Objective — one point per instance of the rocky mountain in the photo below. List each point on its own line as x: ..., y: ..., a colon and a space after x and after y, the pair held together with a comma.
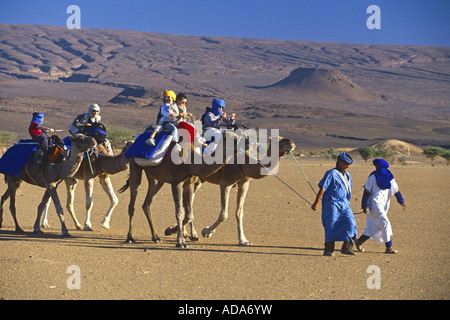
x: 319, y: 94
x: 325, y: 84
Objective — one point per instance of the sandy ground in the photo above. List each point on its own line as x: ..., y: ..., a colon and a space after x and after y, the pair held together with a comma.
x: 285, y: 261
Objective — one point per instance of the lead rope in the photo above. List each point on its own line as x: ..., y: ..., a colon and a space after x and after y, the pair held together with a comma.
x: 308, y: 180
x: 90, y: 164
x: 298, y: 165
x: 273, y: 174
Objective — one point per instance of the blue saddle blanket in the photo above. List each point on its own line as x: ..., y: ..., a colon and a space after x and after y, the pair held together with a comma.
x: 15, y: 158
x: 139, y: 149
x: 67, y: 142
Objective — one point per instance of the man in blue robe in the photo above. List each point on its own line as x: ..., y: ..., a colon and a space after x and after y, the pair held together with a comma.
x: 337, y: 216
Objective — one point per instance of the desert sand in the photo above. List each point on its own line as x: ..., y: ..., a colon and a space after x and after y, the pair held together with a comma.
x: 285, y: 261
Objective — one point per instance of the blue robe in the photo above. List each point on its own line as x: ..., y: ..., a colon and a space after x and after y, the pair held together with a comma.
x: 337, y: 216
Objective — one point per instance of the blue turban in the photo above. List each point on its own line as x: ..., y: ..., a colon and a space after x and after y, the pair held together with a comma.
x: 216, y: 104
x: 382, y: 174
x: 345, y: 157
x: 38, y: 117
x: 381, y: 162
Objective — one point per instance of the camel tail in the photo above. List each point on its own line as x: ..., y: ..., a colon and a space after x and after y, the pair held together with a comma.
x: 125, y: 187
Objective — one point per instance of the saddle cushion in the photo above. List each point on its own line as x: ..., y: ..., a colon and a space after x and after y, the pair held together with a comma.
x: 139, y: 149
x: 15, y: 158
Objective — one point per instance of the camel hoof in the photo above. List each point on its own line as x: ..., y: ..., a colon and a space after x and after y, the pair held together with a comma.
x: 19, y: 230
x: 88, y: 228
x: 206, y: 233
x: 170, y: 231
x: 45, y: 225
x: 67, y: 235
x: 79, y: 227
x: 157, y: 240
x: 245, y: 243
x: 130, y: 240
x: 182, y: 245
x: 37, y: 231
x: 105, y: 225
x: 194, y: 238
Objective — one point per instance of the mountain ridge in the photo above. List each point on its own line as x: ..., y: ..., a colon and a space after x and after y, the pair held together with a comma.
x: 105, y: 66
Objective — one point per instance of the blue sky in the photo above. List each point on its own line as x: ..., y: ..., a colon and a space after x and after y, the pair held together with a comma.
x: 410, y: 22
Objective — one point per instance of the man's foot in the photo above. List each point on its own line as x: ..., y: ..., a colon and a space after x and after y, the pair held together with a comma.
x: 150, y: 142
x: 358, y: 245
x: 390, y: 250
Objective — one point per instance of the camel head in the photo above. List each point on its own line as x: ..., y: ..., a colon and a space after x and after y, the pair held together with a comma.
x: 126, y: 146
x: 285, y: 146
x: 82, y: 142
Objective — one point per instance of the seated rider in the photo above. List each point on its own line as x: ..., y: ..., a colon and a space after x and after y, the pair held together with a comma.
x: 83, y: 121
x: 171, y: 114
x: 181, y: 102
x: 216, y: 118
x: 37, y: 134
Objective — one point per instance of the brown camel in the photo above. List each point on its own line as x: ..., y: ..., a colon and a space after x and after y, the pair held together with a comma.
x: 180, y: 176
x: 47, y: 176
x: 229, y: 176
x: 103, y: 166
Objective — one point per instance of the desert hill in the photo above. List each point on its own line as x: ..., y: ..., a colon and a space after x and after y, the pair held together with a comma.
x: 326, y: 84
x: 399, y: 147
x: 319, y: 94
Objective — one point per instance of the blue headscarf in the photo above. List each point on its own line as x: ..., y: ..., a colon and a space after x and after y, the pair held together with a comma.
x: 345, y: 157
x: 216, y: 104
x: 382, y: 174
x: 38, y: 117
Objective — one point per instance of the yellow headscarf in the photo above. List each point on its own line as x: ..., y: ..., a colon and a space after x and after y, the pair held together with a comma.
x: 170, y: 93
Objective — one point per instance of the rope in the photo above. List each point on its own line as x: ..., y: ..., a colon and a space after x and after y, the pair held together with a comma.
x: 308, y: 180
x: 298, y: 165
x: 90, y: 164
x: 273, y: 174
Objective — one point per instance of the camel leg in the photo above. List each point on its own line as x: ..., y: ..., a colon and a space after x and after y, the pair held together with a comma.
x: 71, y: 185
x: 224, y: 196
x: 105, y: 181
x: 188, y: 200
x: 44, y: 223
x: 242, y: 193
x: 51, y: 188
x: 153, y: 188
x: 13, y: 185
x: 89, y: 190
x: 197, y: 185
x: 134, y: 181
x: 5, y: 197
x: 188, y: 204
x: 177, y: 193
x: 41, y: 207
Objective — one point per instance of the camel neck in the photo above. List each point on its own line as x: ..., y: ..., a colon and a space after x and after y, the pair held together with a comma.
x: 69, y: 167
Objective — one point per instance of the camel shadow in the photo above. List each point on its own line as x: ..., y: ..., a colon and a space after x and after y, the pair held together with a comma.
x: 236, y: 249
x: 113, y: 242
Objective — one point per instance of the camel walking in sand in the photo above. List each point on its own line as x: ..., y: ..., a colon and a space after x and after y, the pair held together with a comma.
x: 48, y: 176
x: 103, y: 164
x: 240, y: 175
x: 181, y: 177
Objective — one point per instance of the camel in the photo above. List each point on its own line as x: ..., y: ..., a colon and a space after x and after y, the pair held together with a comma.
x: 229, y: 176
x: 48, y: 176
x: 103, y: 165
x: 181, y: 177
